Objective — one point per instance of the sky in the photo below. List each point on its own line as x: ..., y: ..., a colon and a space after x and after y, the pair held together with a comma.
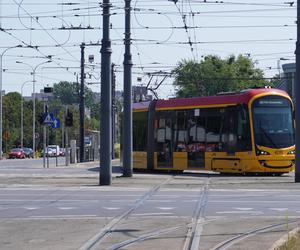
x: 163, y: 33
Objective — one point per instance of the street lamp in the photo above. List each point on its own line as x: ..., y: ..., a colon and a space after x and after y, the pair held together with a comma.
x: 22, y: 113
x: 1, y: 101
x: 33, y: 108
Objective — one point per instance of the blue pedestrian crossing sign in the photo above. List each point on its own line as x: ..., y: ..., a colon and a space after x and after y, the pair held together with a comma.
x: 48, y: 118
x: 55, y: 123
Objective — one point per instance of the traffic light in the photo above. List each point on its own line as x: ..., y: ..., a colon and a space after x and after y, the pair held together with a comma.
x: 69, y: 119
x: 48, y: 89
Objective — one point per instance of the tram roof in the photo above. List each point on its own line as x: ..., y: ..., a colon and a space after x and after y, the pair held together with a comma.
x: 243, y: 96
x: 231, y: 98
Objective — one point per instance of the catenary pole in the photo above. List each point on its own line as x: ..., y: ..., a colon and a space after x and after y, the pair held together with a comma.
x: 81, y: 105
x: 297, y: 95
x: 113, y: 111
x: 127, y: 125
x: 1, y: 97
x: 22, y: 115
x: 105, y: 113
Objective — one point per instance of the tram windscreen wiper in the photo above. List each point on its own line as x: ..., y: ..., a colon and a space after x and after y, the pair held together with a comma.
x: 267, y: 136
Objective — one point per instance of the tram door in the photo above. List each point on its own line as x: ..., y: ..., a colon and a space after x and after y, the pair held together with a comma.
x: 196, y: 140
x: 164, y: 147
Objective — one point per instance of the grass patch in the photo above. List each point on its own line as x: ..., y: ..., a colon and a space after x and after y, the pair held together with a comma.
x: 293, y: 243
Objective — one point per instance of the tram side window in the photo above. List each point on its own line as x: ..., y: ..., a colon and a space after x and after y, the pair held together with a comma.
x: 161, y: 130
x: 140, y: 131
x: 163, y: 127
x: 243, y: 131
x: 213, y: 127
x: 236, y: 130
x: 180, y: 131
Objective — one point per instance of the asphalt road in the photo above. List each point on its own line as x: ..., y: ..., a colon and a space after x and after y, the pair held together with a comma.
x: 65, y: 208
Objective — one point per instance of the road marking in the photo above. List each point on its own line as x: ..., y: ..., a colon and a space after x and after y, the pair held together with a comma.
x: 31, y: 208
x: 279, y: 209
x: 66, y: 208
x: 165, y: 208
x: 243, y: 208
x: 122, y: 201
x: 239, y: 212
x: 152, y: 214
x: 75, y: 216
x: 112, y: 208
x: 162, y: 201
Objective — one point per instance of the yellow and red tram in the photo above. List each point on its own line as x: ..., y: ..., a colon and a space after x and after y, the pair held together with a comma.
x: 251, y: 131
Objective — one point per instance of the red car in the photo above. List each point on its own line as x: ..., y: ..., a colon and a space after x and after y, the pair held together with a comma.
x: 16, y: 153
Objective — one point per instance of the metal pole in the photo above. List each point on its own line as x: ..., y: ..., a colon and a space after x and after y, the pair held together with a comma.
x: 22, y: 115
x: 113, y: 106
x: 22, y: 119
x: 33, y: 102
x: 105, y: 114
x: 1, y: 99
x: 127, y: 127
x: 1, y: 109
x: 33, y: 111
x: 81, y: 105
x: 297, y: 97
x: 44, y: 138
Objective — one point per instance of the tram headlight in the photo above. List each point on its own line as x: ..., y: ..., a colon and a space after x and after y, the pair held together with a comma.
x: 292, y: 152
x: 261, y: 152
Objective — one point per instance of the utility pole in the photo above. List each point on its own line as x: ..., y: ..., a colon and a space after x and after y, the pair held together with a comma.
x: 105, y: 114
x: 297, y: 95
x: 81, y: 105
x: 113, y: 106
x: 127, y: 125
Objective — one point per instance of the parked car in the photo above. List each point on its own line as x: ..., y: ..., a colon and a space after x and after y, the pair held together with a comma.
x: 16, y: 153
x: 49, y: 152
x: 55, y: 149
x: 28, y: 152
x: 62, y: 152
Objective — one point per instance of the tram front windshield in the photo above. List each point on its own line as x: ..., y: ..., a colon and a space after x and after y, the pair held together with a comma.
x: 273, y: 122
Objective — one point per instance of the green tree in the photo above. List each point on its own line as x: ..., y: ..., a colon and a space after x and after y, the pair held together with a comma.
x: 11, y: 120
x: 213, y: 75
x: 68, y: 93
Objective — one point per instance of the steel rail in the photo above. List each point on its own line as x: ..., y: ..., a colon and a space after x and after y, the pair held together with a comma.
x: 117, y: 220
x: 230, y: 242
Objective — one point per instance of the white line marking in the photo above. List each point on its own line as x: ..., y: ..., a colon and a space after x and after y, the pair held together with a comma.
x: 111, y: 208
x: 279, y: 209
x: 66, y: 208
x: 240, y: 212
x: 31, y: 208
x: 151, y: 214
x: 243, y: 208
x: 165, y: 208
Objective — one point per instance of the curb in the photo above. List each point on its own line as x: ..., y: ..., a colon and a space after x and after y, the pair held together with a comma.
x: 284, y: 238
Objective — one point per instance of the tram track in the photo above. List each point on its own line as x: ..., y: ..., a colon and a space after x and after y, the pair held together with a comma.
x: 190, y: 230
x: 242, y: 236
x: 192, y: 241
x: 96, y: 239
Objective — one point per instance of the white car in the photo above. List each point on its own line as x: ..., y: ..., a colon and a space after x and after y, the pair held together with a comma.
x: 50, y: 152
x: 55, y: 149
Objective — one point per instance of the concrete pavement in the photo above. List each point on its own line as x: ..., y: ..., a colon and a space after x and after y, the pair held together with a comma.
x: 65, y: 208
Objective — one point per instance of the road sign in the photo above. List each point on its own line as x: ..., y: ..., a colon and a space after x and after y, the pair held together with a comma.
x: 56, y: 123
x: 48, y: 118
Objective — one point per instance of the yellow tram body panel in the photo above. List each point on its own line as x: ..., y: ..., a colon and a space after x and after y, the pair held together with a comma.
x: 248, y: 162
x: 139, y: 160
x: 180, y: 160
